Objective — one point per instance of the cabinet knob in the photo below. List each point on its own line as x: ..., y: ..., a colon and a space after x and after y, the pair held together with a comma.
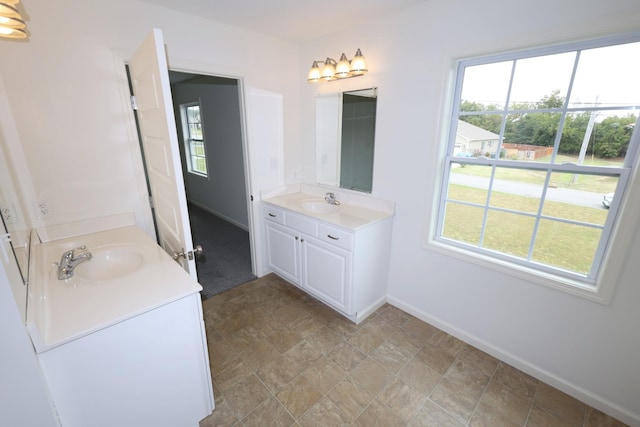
x: 296, y: 237
x: 332, y: 238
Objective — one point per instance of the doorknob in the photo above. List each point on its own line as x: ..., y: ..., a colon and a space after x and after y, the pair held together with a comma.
x: 197, y: 251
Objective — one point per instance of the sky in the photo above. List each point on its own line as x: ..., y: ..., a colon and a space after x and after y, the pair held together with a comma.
x: 608, y: 75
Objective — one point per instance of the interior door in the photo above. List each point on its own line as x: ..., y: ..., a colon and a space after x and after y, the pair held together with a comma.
x: 150, y: 80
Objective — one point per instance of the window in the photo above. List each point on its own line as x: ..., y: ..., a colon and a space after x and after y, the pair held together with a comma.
x: 195, y: 151
x: 543, y: 195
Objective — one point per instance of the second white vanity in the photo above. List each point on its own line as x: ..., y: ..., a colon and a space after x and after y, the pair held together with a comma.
x: 337, y: 253
x: 122, y: 341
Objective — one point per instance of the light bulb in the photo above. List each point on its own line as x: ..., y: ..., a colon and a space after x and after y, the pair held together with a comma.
x: 11, y: 22
x: 358, y: 63
x: 12, y: 33
x: 314, y: 73
x: 343, y: 68
x: 329, y: 70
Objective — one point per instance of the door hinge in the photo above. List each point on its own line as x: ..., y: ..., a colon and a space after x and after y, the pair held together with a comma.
x: 252, y: 197
x: 3, y: 250
x: 134, y: 103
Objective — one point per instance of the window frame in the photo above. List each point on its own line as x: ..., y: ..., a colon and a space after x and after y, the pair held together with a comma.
x: 188, y: 140
x: 600, y: 282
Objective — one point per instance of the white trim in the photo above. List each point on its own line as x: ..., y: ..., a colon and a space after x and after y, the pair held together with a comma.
x: 599, y: 284
x: 121, y: 57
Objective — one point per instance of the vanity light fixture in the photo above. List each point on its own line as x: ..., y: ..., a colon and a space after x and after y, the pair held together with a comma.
x: 11, y: 23
x: 330, y: 70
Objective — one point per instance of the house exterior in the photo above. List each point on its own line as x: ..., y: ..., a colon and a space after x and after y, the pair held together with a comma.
x: 473, y: 140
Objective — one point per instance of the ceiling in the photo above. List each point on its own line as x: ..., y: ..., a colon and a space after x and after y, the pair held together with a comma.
x: 294, y: 20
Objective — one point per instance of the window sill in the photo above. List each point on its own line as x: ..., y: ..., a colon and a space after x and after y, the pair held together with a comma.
x: 574, y: 287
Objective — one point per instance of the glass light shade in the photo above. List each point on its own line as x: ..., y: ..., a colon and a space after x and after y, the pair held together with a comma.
x: 12, y: 2
x: 9, y: 11
x: 314, y: 73
x: 11, y: 22
x: 329, y: 70
x: 12, y: 33
x: 343, y: 68
x: 358, y: 63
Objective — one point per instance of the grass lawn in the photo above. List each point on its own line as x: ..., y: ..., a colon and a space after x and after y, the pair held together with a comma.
x: 567, y: 246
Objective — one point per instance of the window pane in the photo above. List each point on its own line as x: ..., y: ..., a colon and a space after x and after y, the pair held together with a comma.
x: 578, y: 197
x: 508, y: 233
x: 463, y: 223
x: 193, y: 113
x: 517, y: 189
x: 607, y: 75
x: 598, y: 138
x: 200, y: 165
x: 478, y: 136
x: 568, y: 246
x: 197, y: 148
x: 485, y: 86
x: 530, y: 136
x: 541, y: 82
x: 469, y: 183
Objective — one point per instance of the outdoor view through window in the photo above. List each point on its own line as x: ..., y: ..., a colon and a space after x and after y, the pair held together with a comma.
x: 540, y: 147
x: 194, y: 137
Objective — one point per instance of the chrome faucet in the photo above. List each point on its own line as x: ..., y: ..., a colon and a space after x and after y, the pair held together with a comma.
x: 331, y: 199
x: 70, y: 260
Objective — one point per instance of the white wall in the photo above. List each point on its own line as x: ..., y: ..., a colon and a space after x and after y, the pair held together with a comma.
x: 588, y: 349
x: 65, y: 87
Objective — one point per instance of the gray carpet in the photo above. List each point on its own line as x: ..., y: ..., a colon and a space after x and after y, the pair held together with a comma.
x: 226, y: 261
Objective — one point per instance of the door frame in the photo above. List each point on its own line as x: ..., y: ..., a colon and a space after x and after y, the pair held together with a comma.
x: 121, y: 59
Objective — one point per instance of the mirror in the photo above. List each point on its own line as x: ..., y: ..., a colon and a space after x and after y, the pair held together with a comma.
x: 11, y: 213
x: 345, y: 139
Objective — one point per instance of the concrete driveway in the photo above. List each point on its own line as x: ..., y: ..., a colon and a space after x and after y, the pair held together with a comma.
x: 564, y: 195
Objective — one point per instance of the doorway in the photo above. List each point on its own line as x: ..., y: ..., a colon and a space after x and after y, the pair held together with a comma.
x: 210, y: 132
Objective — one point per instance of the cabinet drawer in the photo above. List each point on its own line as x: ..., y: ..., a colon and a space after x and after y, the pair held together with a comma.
x: 302, y: 224
x: 335, y: 236
x: 273, y: 214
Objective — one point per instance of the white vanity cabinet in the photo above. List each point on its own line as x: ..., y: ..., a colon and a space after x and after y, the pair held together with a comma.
x: 151, y: 369
x: 345, y: 268
x: 127, y: 350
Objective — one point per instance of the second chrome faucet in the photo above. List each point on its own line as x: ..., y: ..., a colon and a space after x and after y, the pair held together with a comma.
x: 69, y: 260
x: 331, y: 199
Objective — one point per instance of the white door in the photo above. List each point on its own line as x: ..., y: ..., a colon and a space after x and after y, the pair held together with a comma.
x: 150, y: 80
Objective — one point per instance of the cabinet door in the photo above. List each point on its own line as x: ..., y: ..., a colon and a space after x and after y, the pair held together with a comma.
x: 283, y: 251
x: 326, y: 273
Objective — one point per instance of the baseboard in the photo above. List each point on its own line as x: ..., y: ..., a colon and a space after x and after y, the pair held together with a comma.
x: 362, y: 315
x: 212, y: 212
x: 561, y: 384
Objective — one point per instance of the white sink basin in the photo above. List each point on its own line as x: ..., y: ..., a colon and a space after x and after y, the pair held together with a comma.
x: 319, y: 206
x: 110, y: 263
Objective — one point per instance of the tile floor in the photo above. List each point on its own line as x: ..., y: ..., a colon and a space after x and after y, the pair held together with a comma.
x: 281, y: 358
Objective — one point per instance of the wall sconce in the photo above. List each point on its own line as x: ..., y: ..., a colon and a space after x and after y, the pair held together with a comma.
x: 343, y: 69
x: 11, y: 23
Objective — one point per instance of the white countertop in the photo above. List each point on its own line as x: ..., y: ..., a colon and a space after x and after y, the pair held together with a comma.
x: 349, y: 215
x: 60, y: 311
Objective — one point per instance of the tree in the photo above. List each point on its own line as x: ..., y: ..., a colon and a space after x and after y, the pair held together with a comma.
x: 609, y: 139
x: 612, y: 136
